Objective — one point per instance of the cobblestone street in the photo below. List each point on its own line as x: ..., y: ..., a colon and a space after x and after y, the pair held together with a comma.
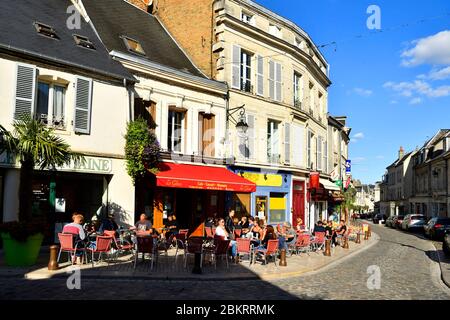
x: 406, y: 262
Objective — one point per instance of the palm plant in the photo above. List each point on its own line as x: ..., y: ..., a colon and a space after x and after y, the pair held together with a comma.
x: 33, y: 144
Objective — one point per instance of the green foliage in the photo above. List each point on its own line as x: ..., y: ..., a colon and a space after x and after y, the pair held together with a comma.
x: 142, y: 149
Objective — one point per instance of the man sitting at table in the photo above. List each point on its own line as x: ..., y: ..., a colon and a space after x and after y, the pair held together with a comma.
x: 143, y: 226
x: 76, y: 228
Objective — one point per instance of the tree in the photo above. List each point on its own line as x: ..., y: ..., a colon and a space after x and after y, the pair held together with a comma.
x: 34, y: 144
x: 142, y: 149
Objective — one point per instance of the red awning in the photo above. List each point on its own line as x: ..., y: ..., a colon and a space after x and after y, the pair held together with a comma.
x: 188, y: 176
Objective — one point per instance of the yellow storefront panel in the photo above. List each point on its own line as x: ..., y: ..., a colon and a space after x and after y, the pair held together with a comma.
x: 277, y: 203
x: 265, y: 180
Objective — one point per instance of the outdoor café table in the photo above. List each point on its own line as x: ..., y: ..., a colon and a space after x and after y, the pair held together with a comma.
x: 198, y: 256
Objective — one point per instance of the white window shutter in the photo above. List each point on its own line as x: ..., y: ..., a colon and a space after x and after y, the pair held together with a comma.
x: 83, y: 105
x: 298, y: 146
x: 236, y: 68
x: 287, y: 143
x: 25, y: 95
x: 260, y: 76
x: 278, y: 81
x: 271, y: 80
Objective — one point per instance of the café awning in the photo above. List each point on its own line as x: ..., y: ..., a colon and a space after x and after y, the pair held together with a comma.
x: 188, y: 176
x: 327, y: 184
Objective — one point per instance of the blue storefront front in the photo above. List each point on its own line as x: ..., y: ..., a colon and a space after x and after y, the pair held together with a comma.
x: 272, y: 198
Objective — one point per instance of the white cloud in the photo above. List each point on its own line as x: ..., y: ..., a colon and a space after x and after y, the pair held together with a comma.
x: 415, y: 101
x: 393, y: 102
x: 418, y: 87
x: 434, y: 49
x: 358, y: 160
x: 358, y: 135
x: 439, y: 74
x: 363, y: 92
x: 380, y: 157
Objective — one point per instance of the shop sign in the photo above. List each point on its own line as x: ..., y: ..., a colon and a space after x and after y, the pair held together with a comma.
x: 264, y: 180
x: 91, y: 165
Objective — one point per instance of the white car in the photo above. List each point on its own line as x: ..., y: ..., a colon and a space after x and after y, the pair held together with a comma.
x: 414, y: 222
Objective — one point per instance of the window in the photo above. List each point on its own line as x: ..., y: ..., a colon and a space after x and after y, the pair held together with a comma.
x: 50, y: 104
x: 312, y: 101
x: 275, y: 30
x: 175, y: 131
x: 248, y: 18
x: 45, y: 30
x: 277, y: 207
x: 273, y: 141
x: 83, y: 42
x: 298, y: 90
x: 133, y: 45
x: 246, y: 84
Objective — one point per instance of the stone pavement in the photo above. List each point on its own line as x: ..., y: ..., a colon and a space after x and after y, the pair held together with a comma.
x: 444, y: 263
x: 168, y: 269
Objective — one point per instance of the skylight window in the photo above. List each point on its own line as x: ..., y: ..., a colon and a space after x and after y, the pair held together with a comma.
x: 45, y: 30
x: 83, y: 42
x: 133, y: 45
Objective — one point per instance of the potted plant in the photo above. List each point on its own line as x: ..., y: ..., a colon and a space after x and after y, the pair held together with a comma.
x: 32, y: 144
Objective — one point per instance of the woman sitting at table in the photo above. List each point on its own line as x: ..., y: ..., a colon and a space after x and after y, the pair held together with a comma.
x: 222, y: 232
x: 300, y: 226
x: 76, y: 228
x: 171, y: 226
x: 268, y: 234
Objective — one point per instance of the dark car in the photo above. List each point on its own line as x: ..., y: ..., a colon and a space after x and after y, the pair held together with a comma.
x: 398, y: 222
x: 446, y: 243
x: 379, y: 217
x: 436, y: 227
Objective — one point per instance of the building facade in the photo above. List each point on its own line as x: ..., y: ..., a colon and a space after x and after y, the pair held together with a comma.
x: 274, y: 71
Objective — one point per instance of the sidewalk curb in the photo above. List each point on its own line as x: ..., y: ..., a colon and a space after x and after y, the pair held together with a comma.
x: 447, y: 283
x: 208, y: 277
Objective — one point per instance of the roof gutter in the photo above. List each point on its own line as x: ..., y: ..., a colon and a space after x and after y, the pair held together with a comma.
x: 220, y: 87
x: 63, y: 62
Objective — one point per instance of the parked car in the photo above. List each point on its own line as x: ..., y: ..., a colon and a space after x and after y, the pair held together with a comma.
x: 436, y: 227
x: 389, y: 221
x: 379, y: 217
x: 397, y: 222
x: 446, y: 243
x: 414, y: 222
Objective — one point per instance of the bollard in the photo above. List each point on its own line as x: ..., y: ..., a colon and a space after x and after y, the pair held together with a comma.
x: 283, y: 262
x: 327, y: 248
x: 358, y: 238
x: 345, y: 243
x: 369, y: 232
x: 366, y: 235
x: 53, y: 263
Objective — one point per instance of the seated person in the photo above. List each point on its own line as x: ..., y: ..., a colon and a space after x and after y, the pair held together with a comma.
x: 340, y: 231
x: 300, y: 226
x: 268, y: 234
x: 108, y: 224
x: 171, y: 226
x: 143, y: 226
x: 319, y: 227
x: 76, y: 228
x: 244, y: 222
x: 289, y: 233
x: 222, y: 232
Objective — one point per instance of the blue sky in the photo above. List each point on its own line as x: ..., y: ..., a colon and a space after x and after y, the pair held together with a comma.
x: 393, y: 85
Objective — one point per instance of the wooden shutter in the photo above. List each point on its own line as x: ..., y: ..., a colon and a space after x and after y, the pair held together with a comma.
x: 287, y: 143
x: 25, y: 94
x: 278, y: 81
x: 260, y: 76
x: 272, y: 80
x: 236, y: 68
x: 299, y: 137
x: 83, y: 108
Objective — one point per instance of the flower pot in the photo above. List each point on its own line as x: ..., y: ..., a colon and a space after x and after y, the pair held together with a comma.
x: 20, y: 254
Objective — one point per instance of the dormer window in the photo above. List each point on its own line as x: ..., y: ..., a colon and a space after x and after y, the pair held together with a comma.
x: 45, y: 30
x: 83, y: 41
x: 248, y: 18
x: 133, y: 45
x: 275, y: 30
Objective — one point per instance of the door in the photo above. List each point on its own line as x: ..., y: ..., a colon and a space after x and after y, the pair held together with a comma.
x: 298, y: 202
x: 206, y: 133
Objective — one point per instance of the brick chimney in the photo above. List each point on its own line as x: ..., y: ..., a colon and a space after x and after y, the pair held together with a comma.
x: 144, y: 5
x: 401, y: 153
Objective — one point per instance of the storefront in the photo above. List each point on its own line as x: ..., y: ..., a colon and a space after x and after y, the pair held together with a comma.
x: 271, y: 200
x: 192, y: 193
x: 96, y: 187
